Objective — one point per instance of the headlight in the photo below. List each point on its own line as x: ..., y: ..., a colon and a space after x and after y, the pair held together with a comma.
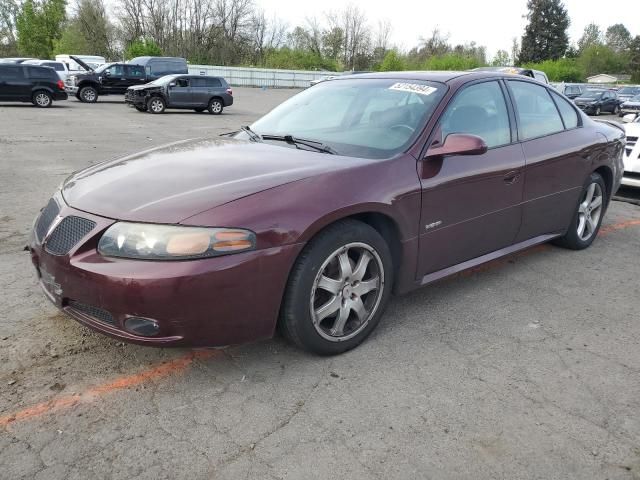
x: 172, y: 242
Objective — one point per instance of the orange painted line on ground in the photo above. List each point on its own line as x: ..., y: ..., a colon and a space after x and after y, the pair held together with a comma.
x: 171, y: 367
x: 618, y: 226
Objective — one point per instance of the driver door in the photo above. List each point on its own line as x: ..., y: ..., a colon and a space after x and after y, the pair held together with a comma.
x: 180, y: 94
x: 471, y: 205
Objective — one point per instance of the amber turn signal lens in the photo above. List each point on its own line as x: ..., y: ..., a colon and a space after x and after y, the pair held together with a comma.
x: 232, y: 245
x: 188, y: 244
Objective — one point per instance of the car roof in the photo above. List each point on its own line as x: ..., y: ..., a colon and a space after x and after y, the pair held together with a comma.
x: 439, y: 76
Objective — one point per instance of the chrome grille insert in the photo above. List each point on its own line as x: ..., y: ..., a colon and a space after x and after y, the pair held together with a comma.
x: 67, y: 234
x: 47, y: 216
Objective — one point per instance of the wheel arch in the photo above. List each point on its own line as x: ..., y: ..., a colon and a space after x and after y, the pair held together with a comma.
x: 607, y: 175
x: 381, y: 221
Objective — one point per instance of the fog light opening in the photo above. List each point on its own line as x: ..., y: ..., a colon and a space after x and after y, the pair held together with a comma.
x: 141, y: 326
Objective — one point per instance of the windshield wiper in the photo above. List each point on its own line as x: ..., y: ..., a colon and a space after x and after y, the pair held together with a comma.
x: 252, y: 135
x: 290, y: 139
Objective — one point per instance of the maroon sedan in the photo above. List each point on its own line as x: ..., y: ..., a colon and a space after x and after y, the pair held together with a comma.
x: 311, y: 217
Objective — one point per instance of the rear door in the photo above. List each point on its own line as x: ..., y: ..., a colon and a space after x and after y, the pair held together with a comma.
x: 557, y: 151
x: 471, y: 205
x: 135, y: 75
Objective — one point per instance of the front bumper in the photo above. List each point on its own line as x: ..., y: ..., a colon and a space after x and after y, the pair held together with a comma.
x: 133, y: 99
x: 208, y: 302
x: 588, y: 109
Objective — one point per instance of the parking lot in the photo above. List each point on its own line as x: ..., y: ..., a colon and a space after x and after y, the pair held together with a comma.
x: 527, y: 367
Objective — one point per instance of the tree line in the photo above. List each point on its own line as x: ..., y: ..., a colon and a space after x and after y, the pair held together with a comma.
x: 237, y: 32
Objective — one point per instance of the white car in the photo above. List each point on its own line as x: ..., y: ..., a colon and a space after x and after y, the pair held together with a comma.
x: 60, y: 67
x: 631, y: 176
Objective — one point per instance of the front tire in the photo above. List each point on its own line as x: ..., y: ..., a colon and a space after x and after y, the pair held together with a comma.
x: 597, y: 112
x: 338, y: 289
x: 88, y: 95
x: 215, y: 106
x: 587, y: 219
x: 42, y: 99
x: 156, y: 105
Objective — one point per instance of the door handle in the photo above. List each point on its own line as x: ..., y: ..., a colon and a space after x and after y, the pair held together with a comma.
x: 511, y: 177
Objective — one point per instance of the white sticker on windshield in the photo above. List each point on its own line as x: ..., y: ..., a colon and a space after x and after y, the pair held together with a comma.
x: 413, y: 87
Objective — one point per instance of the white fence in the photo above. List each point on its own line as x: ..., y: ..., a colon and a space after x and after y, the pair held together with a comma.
x: 260, y: 77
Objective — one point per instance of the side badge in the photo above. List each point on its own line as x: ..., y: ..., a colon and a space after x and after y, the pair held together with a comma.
x: 433, y: 225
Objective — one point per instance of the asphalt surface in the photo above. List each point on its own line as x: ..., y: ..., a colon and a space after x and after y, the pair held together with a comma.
x: 525, y: 368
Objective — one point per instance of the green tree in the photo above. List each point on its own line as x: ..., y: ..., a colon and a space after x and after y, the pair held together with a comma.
x: 72, y: 41
x: 591, y: 36
x: 545, y: 36
x: 561, y: 70
x: 634, y: 59
x: 39, y: 24
x: 601, y: 59
x: 452, y: 61
x: 142, y: 48
x: 392, y: 62
x: 501, y: 59
x: 9, y: 10
x: 618, y: 37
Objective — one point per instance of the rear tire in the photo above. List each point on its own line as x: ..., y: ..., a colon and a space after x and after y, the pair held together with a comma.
x: 338, y: 289
x: 215, y: 106
x: 42, y: 99
x: 88, y: 95
x: 588, y: 215
x: 156, y: 105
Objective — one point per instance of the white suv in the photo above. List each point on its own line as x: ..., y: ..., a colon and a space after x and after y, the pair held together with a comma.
x: 631, y: 176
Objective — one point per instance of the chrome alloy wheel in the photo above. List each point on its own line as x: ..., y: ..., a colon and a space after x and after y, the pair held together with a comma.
x: 589, y: 212
x: 89, y: 95
x: 216, y: 107
x: 156, y: 105
x: 43, y: 100
x: 347, y: 291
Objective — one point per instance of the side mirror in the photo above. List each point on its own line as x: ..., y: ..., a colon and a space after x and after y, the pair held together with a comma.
x: 172, y: 84
x: 458, y: 144
x: 629, y: 118
x: 107, y: 73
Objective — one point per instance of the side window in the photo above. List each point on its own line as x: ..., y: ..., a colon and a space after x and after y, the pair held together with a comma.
x: 135, y: 71
x: 213, y: 82
x: 9, y: 74
x: 116, y: 71
x: 569, y: 115
x: 183, y: 82
x: 479, y: 110
x: 198, y: 82
x: 537, y: 114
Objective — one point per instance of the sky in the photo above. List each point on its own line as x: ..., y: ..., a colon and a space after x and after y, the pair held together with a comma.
x: 493, y: 23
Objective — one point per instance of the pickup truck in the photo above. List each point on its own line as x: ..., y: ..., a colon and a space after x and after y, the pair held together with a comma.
x: 116, y: 78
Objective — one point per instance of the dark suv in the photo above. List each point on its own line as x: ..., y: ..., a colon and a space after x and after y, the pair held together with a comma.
x: 596, y: 101
x: 30, y: 83
x: 114, y: 78
x: 194, y: 92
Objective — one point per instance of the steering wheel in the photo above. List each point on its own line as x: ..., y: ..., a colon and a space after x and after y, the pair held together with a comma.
x: 402, y: 125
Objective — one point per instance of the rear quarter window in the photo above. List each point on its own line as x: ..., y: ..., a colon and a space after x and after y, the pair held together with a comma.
x: 214, y: 82
x: 568, y: 113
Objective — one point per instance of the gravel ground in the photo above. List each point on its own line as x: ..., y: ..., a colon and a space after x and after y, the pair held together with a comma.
x: 525, y: 368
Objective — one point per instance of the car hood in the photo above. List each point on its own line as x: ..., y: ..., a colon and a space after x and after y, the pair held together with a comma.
x: 143, y: 87
x: 172, y: 183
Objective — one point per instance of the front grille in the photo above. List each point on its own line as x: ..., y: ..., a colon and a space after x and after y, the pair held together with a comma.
x: 98, y: 313
x: 47, y: 216
x: 67, y: 234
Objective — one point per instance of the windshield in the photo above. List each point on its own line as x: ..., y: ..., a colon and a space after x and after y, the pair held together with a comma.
x: 369, y: 118
x: 592, y: 93
x: 163, y: 80
x: 635, y: 99
x: 102, y: 68
x: 629, y: 91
